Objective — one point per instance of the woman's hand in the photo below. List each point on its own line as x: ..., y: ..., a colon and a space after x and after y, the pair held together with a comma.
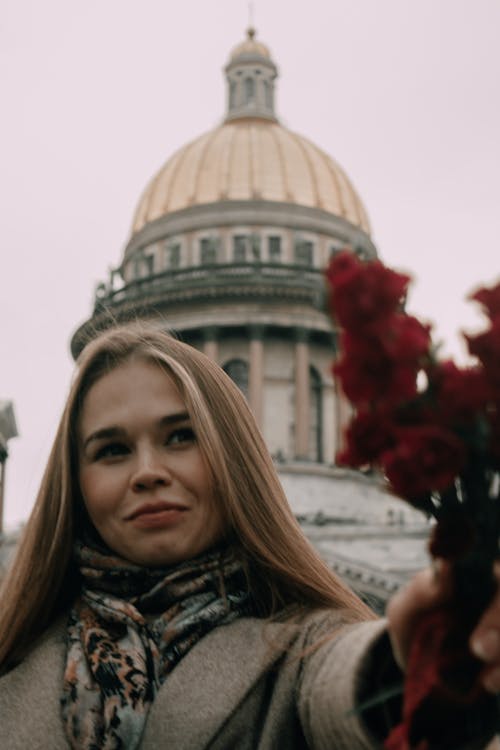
x: 485, y: 641
x: 430, y: 589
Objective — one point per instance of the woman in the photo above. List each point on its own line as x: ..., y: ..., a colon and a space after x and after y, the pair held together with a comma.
x: 163, y: 594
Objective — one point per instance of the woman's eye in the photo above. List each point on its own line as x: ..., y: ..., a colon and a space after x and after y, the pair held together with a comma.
x: 111, y: 450
x: 181, y: 435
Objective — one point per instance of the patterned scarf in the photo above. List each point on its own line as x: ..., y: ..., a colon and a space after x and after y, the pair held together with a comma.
x: 128, y: 629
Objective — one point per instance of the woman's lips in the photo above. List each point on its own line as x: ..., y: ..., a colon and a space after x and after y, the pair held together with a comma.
x: 156, y: 515
x: 158, y: 519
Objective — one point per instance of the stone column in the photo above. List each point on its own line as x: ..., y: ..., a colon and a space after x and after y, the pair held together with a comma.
x: 256, y: 373
x: 210, y: 346
x: 302, y: 394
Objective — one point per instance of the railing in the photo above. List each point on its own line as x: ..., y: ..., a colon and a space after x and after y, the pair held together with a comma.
x: 203, y: 278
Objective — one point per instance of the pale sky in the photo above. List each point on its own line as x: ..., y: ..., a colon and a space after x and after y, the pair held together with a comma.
x: 96, y: 95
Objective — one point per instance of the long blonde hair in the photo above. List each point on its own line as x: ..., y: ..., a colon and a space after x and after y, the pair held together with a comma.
x: 282, y: 567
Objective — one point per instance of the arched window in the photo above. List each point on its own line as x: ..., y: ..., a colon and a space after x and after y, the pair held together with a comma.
x: 268, y: 97
x: 237, y: 369
x: 249, y: 90
x: 304, y: 252
x: 240, y: 248
x: 144, y: 266
x: 208, y: 250
x: 274, y: 248
x: 316, y: 416
x: 173, y: 255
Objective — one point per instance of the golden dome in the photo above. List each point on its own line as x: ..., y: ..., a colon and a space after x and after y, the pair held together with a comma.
x: 250, y: 159
x: 251, y: 156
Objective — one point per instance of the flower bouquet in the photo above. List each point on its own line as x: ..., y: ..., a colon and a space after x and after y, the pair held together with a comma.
x: 432, y: 429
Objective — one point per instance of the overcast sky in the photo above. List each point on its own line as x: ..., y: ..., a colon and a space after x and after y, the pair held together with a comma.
x: 96, y: 95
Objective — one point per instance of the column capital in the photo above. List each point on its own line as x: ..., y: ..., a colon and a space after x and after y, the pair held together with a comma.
x: 210, y: 333
x: 301, y: 335
x: 256, y: 331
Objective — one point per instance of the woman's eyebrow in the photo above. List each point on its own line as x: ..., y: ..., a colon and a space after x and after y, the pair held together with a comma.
x: 113, y: 432
x: 181, y: 416
x: 103, y: 434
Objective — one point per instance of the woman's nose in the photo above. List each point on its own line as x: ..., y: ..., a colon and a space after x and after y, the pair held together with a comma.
x: 150, y: 471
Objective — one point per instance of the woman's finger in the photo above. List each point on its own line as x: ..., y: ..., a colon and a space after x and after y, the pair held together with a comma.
x: 485, y: 641
x: 424, y: 592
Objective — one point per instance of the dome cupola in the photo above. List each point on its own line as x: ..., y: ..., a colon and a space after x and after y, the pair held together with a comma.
x: 250, y: 75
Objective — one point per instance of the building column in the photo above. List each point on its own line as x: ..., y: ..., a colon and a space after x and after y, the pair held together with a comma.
x: 256, y: 372
x: 302, y: 394
x: 210, y: 344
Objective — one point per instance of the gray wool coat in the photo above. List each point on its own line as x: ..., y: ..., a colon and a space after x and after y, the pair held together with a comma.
x: 249, y: 685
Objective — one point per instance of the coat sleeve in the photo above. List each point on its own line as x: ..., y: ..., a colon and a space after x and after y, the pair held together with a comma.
x: 335, y: 677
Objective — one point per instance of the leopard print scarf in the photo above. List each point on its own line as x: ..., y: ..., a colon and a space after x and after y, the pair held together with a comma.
x: 128, y: 629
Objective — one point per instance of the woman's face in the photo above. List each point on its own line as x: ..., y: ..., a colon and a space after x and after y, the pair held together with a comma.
x: 142, y: 475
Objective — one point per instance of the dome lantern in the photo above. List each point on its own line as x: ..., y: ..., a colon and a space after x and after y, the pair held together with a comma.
x: 250, y: 75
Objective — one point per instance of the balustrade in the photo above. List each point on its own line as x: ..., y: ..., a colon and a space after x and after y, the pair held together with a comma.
x: 198, y: 278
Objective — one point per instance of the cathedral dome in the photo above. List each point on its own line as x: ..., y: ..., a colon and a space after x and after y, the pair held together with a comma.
x: 251, y: 156
x: 250, y: 159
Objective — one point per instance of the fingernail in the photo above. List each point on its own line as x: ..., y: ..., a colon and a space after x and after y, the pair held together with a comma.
x: 492, y: 681
x: 487, y: 645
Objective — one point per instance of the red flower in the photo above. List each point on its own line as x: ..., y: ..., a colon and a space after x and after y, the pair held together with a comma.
x: 368, y: 373
x: 363, y: 292
x: 435, y: 715
x: 383, y: 362
x: 369, y: 434
x: 489, y: 298
x: 343, y: 267
x: 425, y: 458
x: 424, y: 440
x: 460, y: 393
x: 486, y: 347
x: 405, y: 338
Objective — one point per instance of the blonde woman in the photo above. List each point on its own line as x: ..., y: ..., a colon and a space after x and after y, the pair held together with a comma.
x: 163, y: 594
